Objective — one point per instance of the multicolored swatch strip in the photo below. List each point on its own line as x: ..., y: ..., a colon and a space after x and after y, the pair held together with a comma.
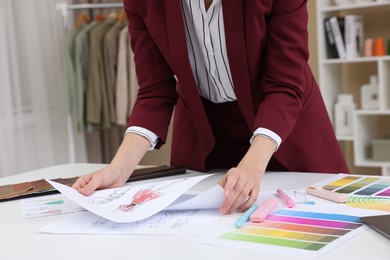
x: 296, y: 229
x: 372, y: 203
x: 363, y: 186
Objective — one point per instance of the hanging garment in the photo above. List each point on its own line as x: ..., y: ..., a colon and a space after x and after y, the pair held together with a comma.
x: 122, y: 79
x: 81, y: 83
x: 110, y: 51
x: 97, y: 96
x: 69, y: 70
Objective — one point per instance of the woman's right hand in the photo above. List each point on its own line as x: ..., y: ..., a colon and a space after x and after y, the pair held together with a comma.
x: 107, y: 177
x: 128, y: 156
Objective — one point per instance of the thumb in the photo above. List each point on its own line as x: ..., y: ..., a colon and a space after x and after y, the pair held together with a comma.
x: 222, y: 181
x: 90, y: 187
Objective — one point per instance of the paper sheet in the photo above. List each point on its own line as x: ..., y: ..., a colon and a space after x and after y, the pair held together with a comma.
x: 315, y: 225
x: 48, y: 205
x: 167, y: 222
x: 307, y: 234
x: 136, y: 202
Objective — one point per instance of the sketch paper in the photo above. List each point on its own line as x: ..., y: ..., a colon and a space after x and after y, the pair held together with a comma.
x: 134, y: 202
x: 200, y: 201
x: 48, y: 205
x: 167, y: 222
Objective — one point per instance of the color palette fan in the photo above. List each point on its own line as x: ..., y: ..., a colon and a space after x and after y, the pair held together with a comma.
x: 362, y: 186
x: 371, y: 203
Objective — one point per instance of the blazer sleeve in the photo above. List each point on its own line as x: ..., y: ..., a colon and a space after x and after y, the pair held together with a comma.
x: 157, y: 86
x: 285, y: 74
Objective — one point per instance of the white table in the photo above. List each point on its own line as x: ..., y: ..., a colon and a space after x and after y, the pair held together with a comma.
x: 20, y: 240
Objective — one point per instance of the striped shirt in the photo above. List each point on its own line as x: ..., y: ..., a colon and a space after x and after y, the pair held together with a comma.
x: 205, y: 35
x: 206, y: 44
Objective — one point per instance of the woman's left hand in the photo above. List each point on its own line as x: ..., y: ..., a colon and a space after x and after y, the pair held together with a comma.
x: 241, y: 184
x: 241, y: 188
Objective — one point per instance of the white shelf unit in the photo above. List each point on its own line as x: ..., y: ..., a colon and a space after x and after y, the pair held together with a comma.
x: 346, y: 76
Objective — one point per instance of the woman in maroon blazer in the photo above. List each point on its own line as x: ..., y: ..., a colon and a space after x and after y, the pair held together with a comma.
x: 244, y: 98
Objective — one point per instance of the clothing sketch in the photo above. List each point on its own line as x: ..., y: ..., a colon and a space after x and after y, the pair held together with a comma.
x: 141, y: 197
x: 113, y: 196
x: 144, y: 195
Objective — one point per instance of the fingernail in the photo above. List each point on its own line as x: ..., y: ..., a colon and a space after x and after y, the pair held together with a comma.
x: 227, y: 193
x: 223, y: 211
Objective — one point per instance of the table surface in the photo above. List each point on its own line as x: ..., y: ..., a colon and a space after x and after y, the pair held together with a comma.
x: 20, y: 239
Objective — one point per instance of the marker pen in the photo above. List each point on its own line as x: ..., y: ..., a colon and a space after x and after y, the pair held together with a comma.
x: 286, y: 199
x: 264, y: 209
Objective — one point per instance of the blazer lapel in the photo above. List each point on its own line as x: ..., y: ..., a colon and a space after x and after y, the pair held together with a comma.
x: 177, y: 48
x: 176, y: 37
x: 233, y: 13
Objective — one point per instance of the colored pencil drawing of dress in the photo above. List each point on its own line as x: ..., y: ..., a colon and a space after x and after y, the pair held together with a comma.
x: 144, y: 195
x: 141, y: 197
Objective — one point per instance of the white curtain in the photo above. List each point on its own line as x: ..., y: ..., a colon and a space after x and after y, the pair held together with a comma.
x: 33, y: 121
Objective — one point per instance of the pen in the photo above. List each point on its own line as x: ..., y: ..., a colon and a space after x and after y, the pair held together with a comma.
x: 286, y: 199
x: 264, y: 209
x: 244, y: 217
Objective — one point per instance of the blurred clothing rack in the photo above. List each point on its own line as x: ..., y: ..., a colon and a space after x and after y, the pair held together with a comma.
x: 64, y: 8
x: 88, y: 6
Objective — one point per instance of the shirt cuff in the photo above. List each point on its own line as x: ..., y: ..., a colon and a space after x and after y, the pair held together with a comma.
x: 274, y: 137
x: 152, y: 137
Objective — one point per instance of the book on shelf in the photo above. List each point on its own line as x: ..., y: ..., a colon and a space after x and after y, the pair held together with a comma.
x: 337, y: 25
x: 334, y: 34
x: 354, y: 37
x: 331, y: 48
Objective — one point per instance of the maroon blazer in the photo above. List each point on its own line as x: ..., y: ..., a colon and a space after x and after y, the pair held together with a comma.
x: 268, y: 53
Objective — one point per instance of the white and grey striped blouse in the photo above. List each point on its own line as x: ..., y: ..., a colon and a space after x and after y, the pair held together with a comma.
x: 205, y: 34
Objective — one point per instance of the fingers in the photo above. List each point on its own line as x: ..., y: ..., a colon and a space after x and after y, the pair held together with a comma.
x: 81, y: 182
x: 222, y: 181
x: 249, y: 202
x: 231, y: 182
x: 87, y: 184
x: 91, y: 186
x: 239, y: 199
x: 107, y: 177
x: 241, y: 189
